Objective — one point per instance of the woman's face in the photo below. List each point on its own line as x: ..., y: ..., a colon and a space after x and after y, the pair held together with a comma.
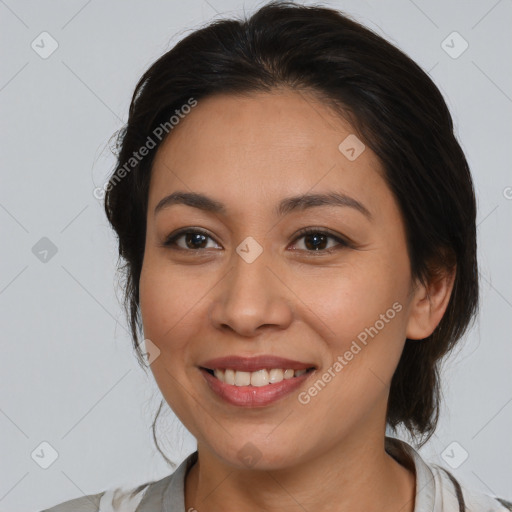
x: 338, y: 300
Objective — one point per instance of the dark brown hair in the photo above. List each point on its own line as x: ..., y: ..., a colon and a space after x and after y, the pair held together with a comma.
x: 396, y: 110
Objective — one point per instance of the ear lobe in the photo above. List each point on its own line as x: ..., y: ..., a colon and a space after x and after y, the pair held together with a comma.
x: 429, y: 305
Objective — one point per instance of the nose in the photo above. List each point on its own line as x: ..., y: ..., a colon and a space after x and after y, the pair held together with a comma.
x: 252, y: 297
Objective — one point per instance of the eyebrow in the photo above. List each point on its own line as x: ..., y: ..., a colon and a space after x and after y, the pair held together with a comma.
x: 286, y: 206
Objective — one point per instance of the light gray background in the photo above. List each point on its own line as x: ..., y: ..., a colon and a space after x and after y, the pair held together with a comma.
x: 69, y: 376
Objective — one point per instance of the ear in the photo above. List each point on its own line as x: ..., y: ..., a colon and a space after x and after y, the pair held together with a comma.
x: 429, y: 304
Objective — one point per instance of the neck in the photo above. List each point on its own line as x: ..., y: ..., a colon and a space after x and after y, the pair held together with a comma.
x: 356, y: 477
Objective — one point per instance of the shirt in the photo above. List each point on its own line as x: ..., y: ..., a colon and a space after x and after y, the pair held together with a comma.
x: 437, y: 490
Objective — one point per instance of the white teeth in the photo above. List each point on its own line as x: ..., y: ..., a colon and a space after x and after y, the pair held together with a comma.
x: 229, y: 377
x: 258, y: 378
x: 275, y: 375
x: 242, y: 378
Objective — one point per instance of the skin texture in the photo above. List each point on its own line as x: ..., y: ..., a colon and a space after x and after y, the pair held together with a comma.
x: 293, y: 301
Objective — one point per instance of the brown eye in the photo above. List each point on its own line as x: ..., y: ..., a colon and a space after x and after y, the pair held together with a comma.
x: 194, y: 239
x: 316, y: 240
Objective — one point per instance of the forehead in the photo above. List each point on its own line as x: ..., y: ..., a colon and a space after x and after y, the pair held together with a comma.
x: 263, y: 145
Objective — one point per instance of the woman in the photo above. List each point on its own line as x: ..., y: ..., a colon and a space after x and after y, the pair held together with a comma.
x: 297, y: 222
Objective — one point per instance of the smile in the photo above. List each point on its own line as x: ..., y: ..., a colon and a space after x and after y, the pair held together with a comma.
x: 254, y: 389
x: 258, y: 378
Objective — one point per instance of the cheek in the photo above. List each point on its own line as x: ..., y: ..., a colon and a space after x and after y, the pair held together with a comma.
x: 167, y: 311
x: 360, y: 310
x: 351, y: 298
x: 156, y: 301
x: 168, y: 300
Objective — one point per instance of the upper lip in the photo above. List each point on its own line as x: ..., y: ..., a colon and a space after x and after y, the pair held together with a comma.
x: 251, y: 364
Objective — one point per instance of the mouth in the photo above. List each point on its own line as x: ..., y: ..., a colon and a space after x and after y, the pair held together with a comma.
x: 254, y: 381
x: 258, y: 378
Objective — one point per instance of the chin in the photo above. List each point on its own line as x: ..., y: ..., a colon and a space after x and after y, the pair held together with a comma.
x: 258, y: 456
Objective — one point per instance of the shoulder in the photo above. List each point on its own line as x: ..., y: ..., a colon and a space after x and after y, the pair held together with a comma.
x: 111, y: 500
x: 454, y: 491
x: 144, y: 498
x: 89, y: 503
x: 438, y: 489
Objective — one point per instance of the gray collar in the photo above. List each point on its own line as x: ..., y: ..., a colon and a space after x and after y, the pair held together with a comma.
x: 406, y: 455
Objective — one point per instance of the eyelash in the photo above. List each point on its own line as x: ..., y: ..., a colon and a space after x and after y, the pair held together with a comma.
x: 170, y: 241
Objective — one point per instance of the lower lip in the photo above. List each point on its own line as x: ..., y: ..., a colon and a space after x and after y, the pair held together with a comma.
x: 253, y: 396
